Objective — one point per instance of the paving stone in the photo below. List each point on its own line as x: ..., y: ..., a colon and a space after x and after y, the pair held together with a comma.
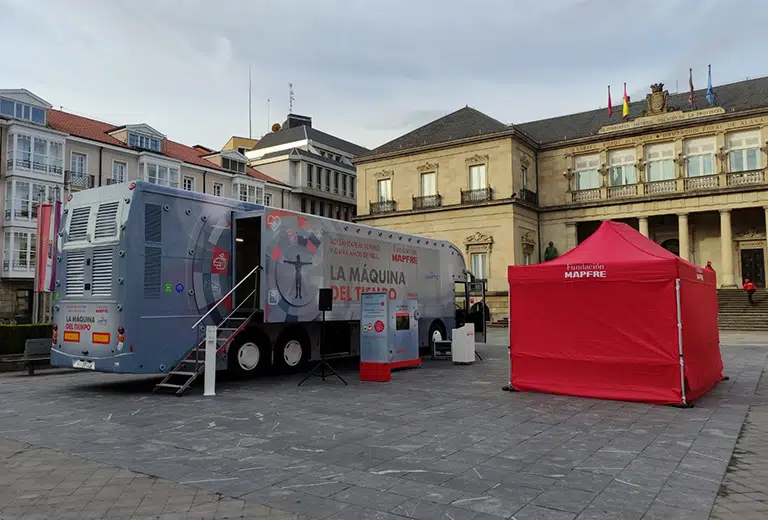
x: 534, y: 512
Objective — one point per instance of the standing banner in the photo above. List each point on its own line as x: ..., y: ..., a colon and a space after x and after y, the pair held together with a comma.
x: 46, y: 246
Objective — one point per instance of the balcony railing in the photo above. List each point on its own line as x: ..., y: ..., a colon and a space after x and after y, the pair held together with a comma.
x: 705, y: 182
x: 619, y: 192
x: 428, y: 201
x: 475, y: 196
x: 586, y: 195
x: 46, y: 167
x: 745, y: 178
x: 529, y: 196
x: 79, y: 179
x: 384, y: 206
x: 657, y: 187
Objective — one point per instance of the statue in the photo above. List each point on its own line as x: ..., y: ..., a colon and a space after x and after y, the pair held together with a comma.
x: 550, y: 253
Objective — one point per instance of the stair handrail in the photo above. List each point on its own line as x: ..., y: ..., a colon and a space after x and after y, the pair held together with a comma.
x: 202, y: 318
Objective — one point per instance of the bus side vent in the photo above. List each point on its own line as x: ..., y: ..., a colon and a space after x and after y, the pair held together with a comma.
x: 153, y: 223
x: 106, y: 220
x: 101, y: 280
x: 75, y: 273
x: 152, y: 271
x: 78, y: 224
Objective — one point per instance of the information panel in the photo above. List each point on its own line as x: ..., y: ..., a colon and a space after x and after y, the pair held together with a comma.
x: 405, y: 331
x: 374, y: 328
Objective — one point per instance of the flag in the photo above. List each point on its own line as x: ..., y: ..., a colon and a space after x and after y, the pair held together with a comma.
x: 690, y: 86
x: 710, y: 92
x: 610, y: 106
x: 625, y: 105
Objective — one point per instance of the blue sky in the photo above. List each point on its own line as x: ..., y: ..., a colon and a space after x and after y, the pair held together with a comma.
x: 365, y: 71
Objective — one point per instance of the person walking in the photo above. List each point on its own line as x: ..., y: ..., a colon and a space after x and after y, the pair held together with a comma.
x: 750, y: 289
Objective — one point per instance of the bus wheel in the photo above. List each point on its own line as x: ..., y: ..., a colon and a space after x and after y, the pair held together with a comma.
x: 436, y: 333
x: 248, y: 355
x: 292, y: 350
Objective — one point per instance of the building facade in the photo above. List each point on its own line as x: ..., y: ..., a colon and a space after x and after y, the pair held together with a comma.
x: 317, y: 166
x: 689, y: 176
x: 45, y: 154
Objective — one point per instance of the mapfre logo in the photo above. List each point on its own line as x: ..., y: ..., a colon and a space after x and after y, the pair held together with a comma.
x: 579, y: 271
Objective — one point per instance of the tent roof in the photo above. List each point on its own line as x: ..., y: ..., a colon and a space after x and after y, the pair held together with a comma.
x: 616, y: 251
x: 615, y: 242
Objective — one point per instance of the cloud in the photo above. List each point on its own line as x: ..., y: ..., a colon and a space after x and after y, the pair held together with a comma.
x: 365, y: 71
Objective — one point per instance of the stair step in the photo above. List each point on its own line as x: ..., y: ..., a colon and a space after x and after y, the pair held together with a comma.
x: 168, y: 385
x: 182, y: 373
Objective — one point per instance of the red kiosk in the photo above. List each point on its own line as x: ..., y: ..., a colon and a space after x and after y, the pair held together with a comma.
x: 618, y: 317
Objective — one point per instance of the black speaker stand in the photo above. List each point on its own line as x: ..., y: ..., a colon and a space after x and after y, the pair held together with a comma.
x: 323, y: 365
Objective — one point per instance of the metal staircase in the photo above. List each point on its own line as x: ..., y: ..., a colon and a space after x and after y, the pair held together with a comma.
x: 181, y: 377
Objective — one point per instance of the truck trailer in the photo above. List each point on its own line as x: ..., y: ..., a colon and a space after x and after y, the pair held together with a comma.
x: 142, y: 269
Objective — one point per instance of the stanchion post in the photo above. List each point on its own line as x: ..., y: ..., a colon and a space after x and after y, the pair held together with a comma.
x: 210, y: 360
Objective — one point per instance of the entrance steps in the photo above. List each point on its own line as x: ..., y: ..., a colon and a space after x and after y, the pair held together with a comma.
x: 735, y: 312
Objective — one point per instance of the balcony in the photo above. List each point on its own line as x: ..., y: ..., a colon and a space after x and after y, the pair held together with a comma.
x: 704, y: 182
x: 428, y: 201
x: 18, y: 269
x: 384, y: 206
x: 745, y: 178
x: 586, y: 195
x: 620, y: 192
x: 79, y: 180
x: 50, y: 167
x: 659, y: 187
x: 475, y: 196
x: 529, y: 196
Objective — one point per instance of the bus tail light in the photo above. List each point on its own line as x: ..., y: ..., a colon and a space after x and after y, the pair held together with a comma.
x: 55, y: 334
x: 120, y: 338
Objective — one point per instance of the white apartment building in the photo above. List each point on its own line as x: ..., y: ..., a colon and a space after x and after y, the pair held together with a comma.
x: 317, y: 165
x: 46, y: 153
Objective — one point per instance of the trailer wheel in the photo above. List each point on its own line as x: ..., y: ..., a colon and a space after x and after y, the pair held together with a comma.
x: 292, y: 350
x: 248, y: 355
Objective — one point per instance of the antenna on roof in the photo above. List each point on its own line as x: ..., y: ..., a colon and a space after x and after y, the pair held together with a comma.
x: 250, y: 104
x: 290, y: 98
x: 269, y: 119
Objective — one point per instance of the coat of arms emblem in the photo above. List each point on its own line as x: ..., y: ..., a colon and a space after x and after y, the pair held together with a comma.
x: 657, y: 100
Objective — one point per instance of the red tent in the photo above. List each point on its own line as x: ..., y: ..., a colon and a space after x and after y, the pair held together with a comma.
x: 618, y: 317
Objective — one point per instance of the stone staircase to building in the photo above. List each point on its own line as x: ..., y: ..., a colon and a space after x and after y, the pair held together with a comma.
x: 735, y: 312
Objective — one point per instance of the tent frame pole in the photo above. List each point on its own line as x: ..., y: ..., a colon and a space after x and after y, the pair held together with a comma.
x: 680, y: 341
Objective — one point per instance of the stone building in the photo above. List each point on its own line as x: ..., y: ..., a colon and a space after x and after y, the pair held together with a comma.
x: 691, y: 177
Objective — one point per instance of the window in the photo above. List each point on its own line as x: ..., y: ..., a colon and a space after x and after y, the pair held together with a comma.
x: 144, y: 141
x: 699, y: 156
x: 310, y: 172
x: 267, y: 199
x: 385, y: 190
x: 586, y: 172
x: 479, y: 263
x: 322, y: 208
x: 622, y: 167
x: 524, y: 177
x: 303, y: 205
x: 428, y: 184
x: 477, y: 180
x: 352, y: 187
x: 118, y: 171
x: 335, y: 182
x: 312, y: 206
x: 40, y: 155
x: 78, y: 163
x: 233, y: 165
x: 19, y: 251
x: 189, y: 183
x: 23, y: 197
x: 19, y: 110
x: 160, y: 174
x: 344, y: 185
x: 24, y: 151
x: 743, y: 151
x: 327, y: 179
x: 35, y: 153
x: 660, y: 161
x: 56, y: 157
x: 249, y: 193
x: 218, y: 188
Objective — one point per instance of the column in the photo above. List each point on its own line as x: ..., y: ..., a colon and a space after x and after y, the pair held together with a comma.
x: 644, y: 225
x: 726, y: 249
x: 683, y: 236
x: 571, y: 238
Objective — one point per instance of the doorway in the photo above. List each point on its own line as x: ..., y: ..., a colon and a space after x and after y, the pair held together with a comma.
x: 753, y: 266
x: 247, y: 256
x: 672, y: 245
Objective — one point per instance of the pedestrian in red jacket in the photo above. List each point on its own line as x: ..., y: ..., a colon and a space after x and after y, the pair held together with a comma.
x: 750, y: 288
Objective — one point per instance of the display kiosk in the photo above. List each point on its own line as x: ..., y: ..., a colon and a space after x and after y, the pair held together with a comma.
x: 389, y: 336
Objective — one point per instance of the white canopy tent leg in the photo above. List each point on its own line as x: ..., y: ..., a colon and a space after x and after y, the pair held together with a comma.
x: 680, y: 341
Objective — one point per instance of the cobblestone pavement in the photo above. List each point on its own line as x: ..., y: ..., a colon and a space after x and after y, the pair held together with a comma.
x: 744, y: 491
x: 440, y: 442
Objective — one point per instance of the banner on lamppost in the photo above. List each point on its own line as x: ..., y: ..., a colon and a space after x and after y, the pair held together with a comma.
x: 47, y: 246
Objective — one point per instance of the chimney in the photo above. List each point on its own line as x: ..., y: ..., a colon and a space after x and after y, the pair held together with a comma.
x: 295, y: 120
